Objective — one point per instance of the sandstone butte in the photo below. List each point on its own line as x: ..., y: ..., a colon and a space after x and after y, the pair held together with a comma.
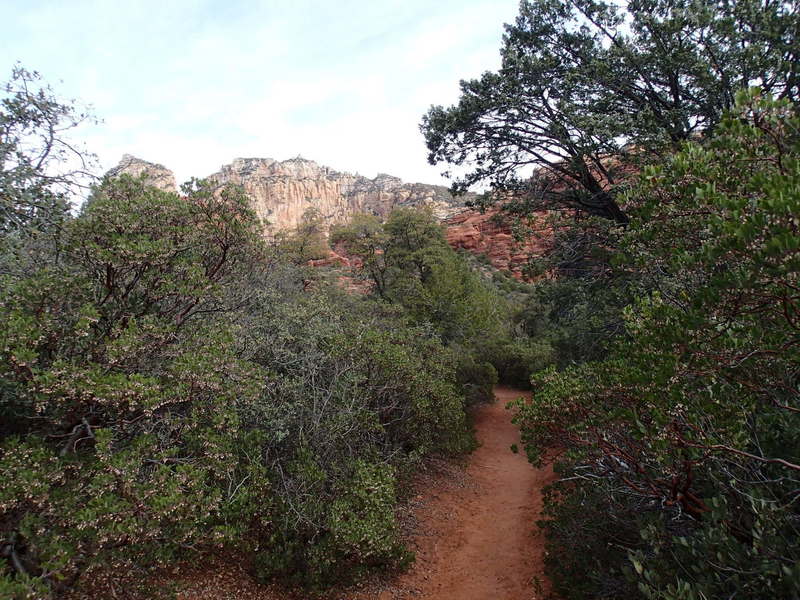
x: 282, y: 192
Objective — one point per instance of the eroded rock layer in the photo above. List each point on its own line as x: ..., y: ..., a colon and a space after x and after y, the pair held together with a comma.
x: 283, y: 191
x: 156, y: 175
x: 489, y: 234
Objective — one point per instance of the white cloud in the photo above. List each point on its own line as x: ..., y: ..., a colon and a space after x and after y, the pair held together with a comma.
x: 194, y: 84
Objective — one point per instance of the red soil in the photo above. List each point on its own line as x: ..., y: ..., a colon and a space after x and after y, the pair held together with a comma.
x: 479, y: 542
x: 472, y: 529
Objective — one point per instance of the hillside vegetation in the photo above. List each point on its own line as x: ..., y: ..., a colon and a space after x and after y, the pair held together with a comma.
x: 678, y: 443
x: 173, y: 385
x: 665, y: 142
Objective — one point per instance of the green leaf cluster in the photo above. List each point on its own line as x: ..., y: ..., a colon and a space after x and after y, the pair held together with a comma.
x: 410, y: 265
x: 685, y: 435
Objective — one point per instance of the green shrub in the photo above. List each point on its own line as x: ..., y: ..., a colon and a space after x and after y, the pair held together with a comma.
x: 170, y: 387
x: 477, y: 379
x: 687, y: 433
x: 515, y: 361
x: 340, y: 529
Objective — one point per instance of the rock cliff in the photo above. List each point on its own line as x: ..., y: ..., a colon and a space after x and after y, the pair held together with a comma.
x: 156, y: 175
x: 490, y: 235
x: 283, y: 191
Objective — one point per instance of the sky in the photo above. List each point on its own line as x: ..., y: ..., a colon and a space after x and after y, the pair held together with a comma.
x: 193, y: 84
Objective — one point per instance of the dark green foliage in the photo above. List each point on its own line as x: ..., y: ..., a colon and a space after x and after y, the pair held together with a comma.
x: 586, y: 86
x: 588, y: 537
x: 476, y: 378
x: 672, y: 306
x: 686, y: 433
x: 355, y: 396
x: 168, y: 387
x: 680, y: 431
x: 579, y: 316
x: 345, y: 532
x: 515, y: 360
x: 130, y: 413
x: 410, y: 265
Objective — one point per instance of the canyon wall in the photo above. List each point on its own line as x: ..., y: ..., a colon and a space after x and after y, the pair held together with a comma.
x: 490, y: 235
x: 282, y: 192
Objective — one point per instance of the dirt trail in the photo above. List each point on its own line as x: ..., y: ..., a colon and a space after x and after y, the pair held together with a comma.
x: 473, y: 531
x: 487, y: 546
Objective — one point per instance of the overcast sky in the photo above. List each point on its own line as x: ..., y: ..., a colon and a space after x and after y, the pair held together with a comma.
x: 193, y: 84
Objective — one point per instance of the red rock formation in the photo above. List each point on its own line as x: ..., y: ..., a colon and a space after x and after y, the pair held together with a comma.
x: 487, y: 234
x: 281, y: 192
x: 334, y: 259
x: 477, y: 233
x: 338, y: 259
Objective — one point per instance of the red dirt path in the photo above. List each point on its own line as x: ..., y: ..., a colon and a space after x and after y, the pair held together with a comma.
x: 488, y: 546
x: 473, y: 530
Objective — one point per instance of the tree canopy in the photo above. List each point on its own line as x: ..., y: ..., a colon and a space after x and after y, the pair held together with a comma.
x: 39, y: 165
x: 408, y: 262
x: 682, y: 457
x: 586, y: 86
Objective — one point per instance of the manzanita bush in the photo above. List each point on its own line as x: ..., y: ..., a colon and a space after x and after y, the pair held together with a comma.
x: 168, y: 387
x: 681, y: 459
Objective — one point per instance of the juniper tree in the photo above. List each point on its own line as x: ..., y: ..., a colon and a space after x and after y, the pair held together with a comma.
x: 586, y: 84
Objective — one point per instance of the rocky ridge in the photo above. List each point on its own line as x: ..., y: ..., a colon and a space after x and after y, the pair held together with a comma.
x: 282, y: 192
x: 154, y: 174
